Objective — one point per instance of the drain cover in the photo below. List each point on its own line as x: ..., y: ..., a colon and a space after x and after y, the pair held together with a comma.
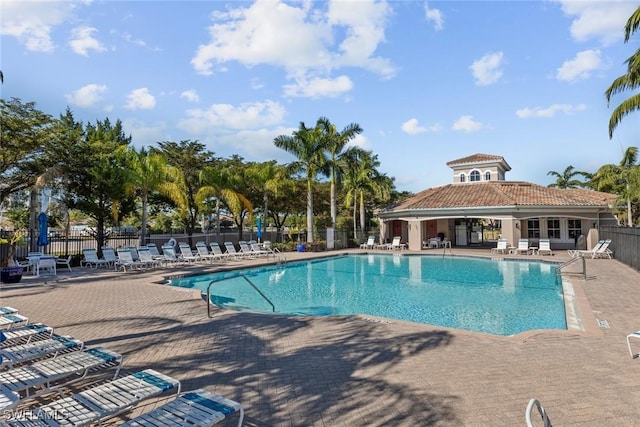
x: 603, y: 324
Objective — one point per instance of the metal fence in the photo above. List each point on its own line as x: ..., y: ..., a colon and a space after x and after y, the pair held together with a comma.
x: 625, y: 244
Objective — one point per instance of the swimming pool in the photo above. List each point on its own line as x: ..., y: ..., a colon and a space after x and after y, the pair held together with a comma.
x: 502, y: 297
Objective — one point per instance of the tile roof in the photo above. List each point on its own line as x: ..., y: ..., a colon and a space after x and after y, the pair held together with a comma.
x: 501, y: 194
x: 476, y: 158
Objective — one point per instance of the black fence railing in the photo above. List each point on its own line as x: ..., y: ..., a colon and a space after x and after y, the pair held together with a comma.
x: 625, y: 244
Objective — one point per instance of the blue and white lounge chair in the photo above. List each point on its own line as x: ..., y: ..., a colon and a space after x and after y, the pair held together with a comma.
x: 24, y: 334
x: 49, y: 375
x: 91, y: 259
x: 23, y: 353
x: 9, y: 321
x: 8, y: 310
x: 194, y: 408
x: 100, y: 402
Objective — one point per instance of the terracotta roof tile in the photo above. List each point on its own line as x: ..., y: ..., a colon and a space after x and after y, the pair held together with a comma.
x: 501, y: 193
x: 476, y: 158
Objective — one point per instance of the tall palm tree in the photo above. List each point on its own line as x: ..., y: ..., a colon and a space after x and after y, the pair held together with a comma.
x: 269, y: 176
x: 149, y: 173
x: 217, y: 183
x: 630, y: 81
x: 335, y: 142
x: 306, y: 144
x: 622, y: 179
x: 362, y: 178
x: 566, y: 179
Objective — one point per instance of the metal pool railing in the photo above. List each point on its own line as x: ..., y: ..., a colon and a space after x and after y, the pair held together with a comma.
x: 213, y: 282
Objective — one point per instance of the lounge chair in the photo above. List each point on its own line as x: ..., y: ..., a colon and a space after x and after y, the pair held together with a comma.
x: 534, y: 403
x: 217, y: 251
x: 584, y: 252
x: 203, y: 252
x: 186, y: 254
x: 370, y: 244
x: 46, y: 376
x: 153, y: 249
x: 24, y: 334
x: 9, y: 321
x: 501, y: 247
x: 245, y: 250
x: 65, y: 262
x: 603, y: 251
x: 231, y: 250
x: 170, y: 256
x: 91, y: 259
x: 22, y: 353
x: 523, y: 247
x: 110, y: 255
x: 145, y: 257
x: 125, y: 259
x: 100, y: 402
x: 259, y: 250
x: 544, y: 247
x: 8, y: 310
x: 397, y: 244
x: 198, y: 408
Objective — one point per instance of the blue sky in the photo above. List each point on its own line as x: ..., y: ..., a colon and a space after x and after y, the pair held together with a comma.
x: 429, y: 82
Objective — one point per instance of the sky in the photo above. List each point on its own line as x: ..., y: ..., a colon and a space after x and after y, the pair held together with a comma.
x: 428, y: 82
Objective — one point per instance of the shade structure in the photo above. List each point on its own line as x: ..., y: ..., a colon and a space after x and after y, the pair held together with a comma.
x: 43, y: 229
x: 259, y: 233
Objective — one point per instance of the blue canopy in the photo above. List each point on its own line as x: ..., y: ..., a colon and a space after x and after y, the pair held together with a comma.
x: 43, y: 231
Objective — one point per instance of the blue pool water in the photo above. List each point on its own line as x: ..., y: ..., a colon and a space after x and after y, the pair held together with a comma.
x: 502, y: 297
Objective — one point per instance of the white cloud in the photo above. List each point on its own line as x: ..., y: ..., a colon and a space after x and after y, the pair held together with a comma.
x: 246, y: 116
x: 412, y: 127
x: 256, y: 83
x: 327, y: 38
x: 580, y: 67
x: 82, y: 41
x: 599, y: 20
x: 550, y: 111
x: 359, y: 141
x: 32, y: 23
x: 87, y: 95
x: 140, y: 99
x: 190, y: 95
x: 319, y: 88
x: 467, y: 124
x: 488, y: 69
x: 146, y: 134
x: 435, y: 16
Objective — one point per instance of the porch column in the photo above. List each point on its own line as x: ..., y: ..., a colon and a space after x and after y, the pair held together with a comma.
x: 414, y: 235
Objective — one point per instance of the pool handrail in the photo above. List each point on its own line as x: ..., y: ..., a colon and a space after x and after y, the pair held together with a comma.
x: 273, y: 307
x: 571, y: 261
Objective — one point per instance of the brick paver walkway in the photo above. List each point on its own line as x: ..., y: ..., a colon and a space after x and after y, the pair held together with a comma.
x: 351, y: 371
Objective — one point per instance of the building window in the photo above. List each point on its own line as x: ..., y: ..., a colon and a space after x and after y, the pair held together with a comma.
x: 487, y: 176
x: 575, y: 228
x: 533, y: 228
x: 462, y: 178
x: 474, y: 176
x: 553, y: 228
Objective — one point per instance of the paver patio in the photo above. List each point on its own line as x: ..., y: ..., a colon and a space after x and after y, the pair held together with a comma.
x: 356, y: 370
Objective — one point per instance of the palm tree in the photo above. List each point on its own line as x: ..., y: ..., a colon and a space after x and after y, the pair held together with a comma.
x: 334, y: 143
x: 566, y: 178
x: 217, y: 183
x: 149, y: 173
x: 269, y: 176
x: 306, y: 145
x: 622, y: 179
x: 630, y: 81
x: 362, y: 178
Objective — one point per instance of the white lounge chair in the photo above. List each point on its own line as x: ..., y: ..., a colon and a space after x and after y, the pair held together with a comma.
x: 259, y: 250
x: 203, y: 252
x: 198, y: 408
x: 46, y: 376
x: 125, y: 259
x: 110, y: 255
x: 100, y: 402
x: 22, y: 353
x: 585, y: 252
x: 535, y: 404
x: 501, y: 247
x: 187, y: 254
x: 370, y: 244
x: 544, y: 247
x: 603, y: 251
x: 170, y: 256
x: 153, y: 249
x: 396, y: 244
x: 217, y: 251
x: 24, y: 334
x: 91, y: 259
x: 245, y: 250
x: 145, y: 257
x: 13, y: 320
x: 7, y: 310
x: 523, y: 247
x: 231, y: 250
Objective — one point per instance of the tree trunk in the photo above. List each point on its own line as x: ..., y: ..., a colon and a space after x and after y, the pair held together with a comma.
x: 309, y: 213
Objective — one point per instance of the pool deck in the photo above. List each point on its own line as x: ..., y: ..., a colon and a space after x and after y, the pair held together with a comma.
x: 356, y: 370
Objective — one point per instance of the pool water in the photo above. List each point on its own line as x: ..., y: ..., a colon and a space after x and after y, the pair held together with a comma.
x: 502, y: 297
